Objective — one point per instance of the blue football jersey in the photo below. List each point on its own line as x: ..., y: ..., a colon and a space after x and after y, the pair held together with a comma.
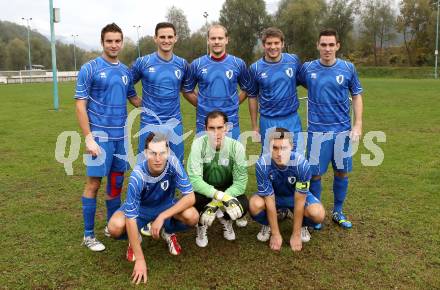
x: 272, y: 179
x: 218, y: 86
x: 328, y: 94
x: 149, y: 192
x: 275, y: 85
x: 161, y: 84
x: 106, y: 87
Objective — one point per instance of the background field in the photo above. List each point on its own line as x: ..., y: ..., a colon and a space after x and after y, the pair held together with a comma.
x: 395, y: 242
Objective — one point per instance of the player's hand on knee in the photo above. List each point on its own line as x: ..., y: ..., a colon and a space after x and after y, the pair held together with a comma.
x: 275, y: 242
x: 208, y: 214
x: 91, y: 146
x: 156, y: 226
x: 296, y: 243
x: 139, y: 272
x: 232, y: 205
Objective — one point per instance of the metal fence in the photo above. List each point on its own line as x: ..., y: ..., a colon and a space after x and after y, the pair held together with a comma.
x: 34, y: 76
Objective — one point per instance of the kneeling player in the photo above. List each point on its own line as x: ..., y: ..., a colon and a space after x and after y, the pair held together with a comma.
x: 151, y: 202
x: 217, y: 170
x: 283, y: 179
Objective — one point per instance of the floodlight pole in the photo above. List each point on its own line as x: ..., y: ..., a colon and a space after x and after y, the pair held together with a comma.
x: 74, y: 49
x: 54, y: 57
x: 205, y: 14
x: 436, y: 42
x: 137, y: 30
x: 29, y: 42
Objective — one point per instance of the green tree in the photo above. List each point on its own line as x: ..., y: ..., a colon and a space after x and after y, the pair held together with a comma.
x: 128, y: 53
x: 147, y: 45
x: 244, y: 19
x: 414, y: 22
x: 177, y: 17
x: 378, y: 20
x: 300, y: 20
x: 3, y: 55
x: 40, y: 52
x: 17, y: 55
x: 340, y: 16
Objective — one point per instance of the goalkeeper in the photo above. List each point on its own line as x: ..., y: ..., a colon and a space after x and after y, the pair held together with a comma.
x: 218, y: 173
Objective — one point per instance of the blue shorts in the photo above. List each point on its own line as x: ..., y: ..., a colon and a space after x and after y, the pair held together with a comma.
x: 149, y: 214
x: 291, y: 122
x: 323, y: 148
x: 288, y: 201
x: 174, y: 133
x: 233, y: 133
x: 107, y: 161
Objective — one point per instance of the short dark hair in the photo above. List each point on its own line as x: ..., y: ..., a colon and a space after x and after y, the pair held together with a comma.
x: 272, y: 32
x: 281, y: 133
x: 161, y: 25
x: 329, y: 32
x: 155, y: 137
x: 215, y: 114
x: 112, y: 27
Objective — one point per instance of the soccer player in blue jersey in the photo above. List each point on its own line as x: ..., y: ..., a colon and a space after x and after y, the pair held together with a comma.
x: 283, y: 178
x: 151, y: 201
x: 330, y: 81
x: 162, y: 74
x: 273, y: 87
x: 102, y: 89
x: 218, y: 76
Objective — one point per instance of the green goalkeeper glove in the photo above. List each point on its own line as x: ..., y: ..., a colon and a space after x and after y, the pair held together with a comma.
x: 207, y: 216
x: 231, y: 204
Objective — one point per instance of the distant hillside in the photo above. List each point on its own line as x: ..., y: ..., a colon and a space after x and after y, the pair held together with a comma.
x: 14, y: 50
x: 10, y: 30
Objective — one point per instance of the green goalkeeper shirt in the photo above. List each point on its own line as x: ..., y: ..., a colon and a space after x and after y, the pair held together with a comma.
x: 210, y: 170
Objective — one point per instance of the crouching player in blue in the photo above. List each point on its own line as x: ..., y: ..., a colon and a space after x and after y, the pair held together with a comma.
x: 103, y: 87
x: 151, y: 201
x: 329, y: 81
x: 283, y: 178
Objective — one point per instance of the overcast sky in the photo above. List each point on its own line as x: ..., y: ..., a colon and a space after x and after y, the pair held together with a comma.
x: 87, y: 17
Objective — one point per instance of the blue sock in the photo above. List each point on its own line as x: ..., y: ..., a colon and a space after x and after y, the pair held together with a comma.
x: 112, y: 206
x: 122, y: 237
x: 261, y: 218
x: 308, y: 222
x: 316, y: 188
x: 173, y: 225
x: 89, y: 210
x: 340, y: 186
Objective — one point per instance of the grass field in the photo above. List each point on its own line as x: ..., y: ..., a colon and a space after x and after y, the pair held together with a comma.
x: 395, y: 241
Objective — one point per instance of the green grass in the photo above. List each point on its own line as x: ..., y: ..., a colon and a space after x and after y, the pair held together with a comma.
x: 395, y: 241
x: 420, y: 72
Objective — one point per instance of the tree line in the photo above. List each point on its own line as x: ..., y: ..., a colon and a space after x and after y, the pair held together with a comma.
x: 372, y: 32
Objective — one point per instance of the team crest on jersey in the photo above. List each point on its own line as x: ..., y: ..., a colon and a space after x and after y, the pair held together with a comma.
x: 289, y: 72
x: 178, y: 73
x: 229, y: 74
x: 103, y: 75
x: 125, y: 79
x: 263, y: 75
x: 164, y: 185
x: 291, y: 179
x: 223, y: 161
x: 340, y: 79
x: 313, y: 75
